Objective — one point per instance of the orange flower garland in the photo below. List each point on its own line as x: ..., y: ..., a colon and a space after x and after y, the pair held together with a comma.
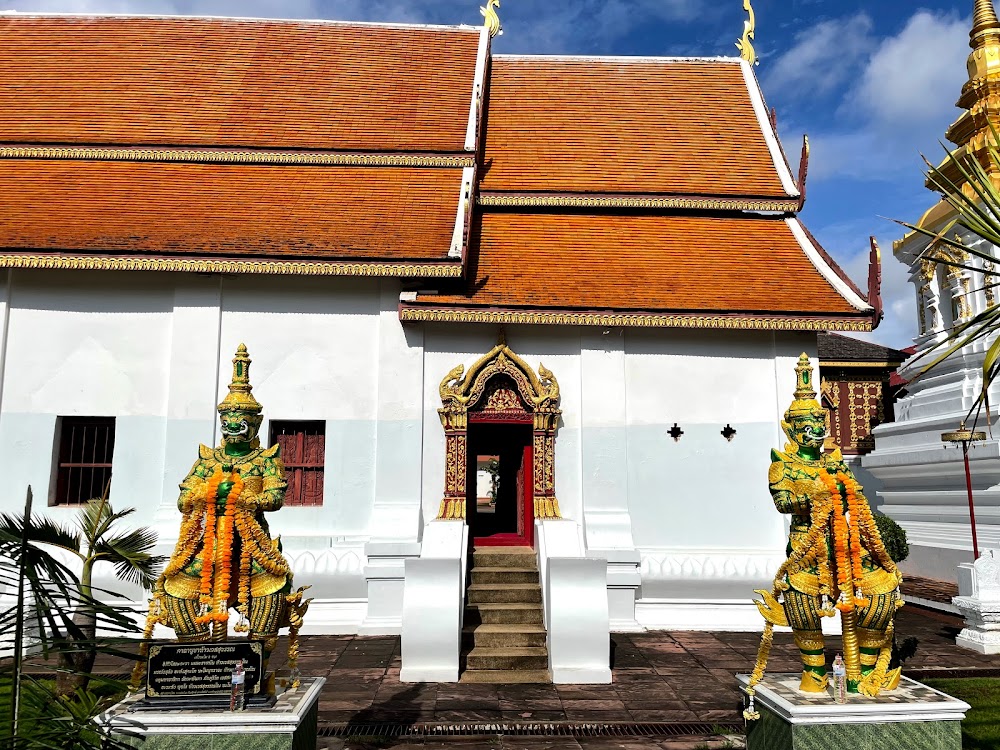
x: 854, y: 513
x: 846, y: 541
x: 214, y: 592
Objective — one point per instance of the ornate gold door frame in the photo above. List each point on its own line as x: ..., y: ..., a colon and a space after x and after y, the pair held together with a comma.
x: 486, y: 389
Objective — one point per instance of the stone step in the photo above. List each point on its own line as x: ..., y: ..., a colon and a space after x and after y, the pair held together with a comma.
x: 507, y: 658
x: 504, y: 575
x: 505, y: 593
x: 504, y: 557
x: 503, y: 636
x: 503, y: 614
x: 506, y: 676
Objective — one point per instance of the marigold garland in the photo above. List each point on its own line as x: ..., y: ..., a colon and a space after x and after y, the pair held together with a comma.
x: 216, y: 575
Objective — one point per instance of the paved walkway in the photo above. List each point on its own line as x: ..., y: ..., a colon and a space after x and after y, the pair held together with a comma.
x: 677, y: 676
x: 658, y: 677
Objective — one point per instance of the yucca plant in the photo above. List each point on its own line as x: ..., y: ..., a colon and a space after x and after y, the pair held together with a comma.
x: 978, y: 211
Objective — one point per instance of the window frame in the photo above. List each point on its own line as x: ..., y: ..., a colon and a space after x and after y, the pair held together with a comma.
x: 64, y: 465
x: 296, y: 471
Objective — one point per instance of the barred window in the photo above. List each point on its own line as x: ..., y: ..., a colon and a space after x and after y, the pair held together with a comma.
x: 303, y: 444
x: 86, y: 448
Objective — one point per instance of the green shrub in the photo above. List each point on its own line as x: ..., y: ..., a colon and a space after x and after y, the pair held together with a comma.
x: 893, y: 536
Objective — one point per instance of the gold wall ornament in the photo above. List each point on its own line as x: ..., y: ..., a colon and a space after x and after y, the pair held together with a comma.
x: 989, y: 283
x: 745, y: 44
x: 492, y: 19
x: 500, y: 381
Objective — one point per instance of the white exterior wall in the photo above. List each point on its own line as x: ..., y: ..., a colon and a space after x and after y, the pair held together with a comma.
x: 154, y: 350
x: 696, y: 513
x: 923, y: 479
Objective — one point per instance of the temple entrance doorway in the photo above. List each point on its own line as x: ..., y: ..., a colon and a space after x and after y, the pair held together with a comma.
x: 500, y: 499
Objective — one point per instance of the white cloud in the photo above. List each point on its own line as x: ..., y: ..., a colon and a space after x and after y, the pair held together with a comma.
x: 823, y: 57
x: 901, y: 105
x: 848, y: 242
x: 913, y: 77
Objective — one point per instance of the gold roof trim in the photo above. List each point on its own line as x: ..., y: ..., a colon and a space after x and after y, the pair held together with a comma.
x: 229, y: 156
x: 204, y: 265
x: 631, y: 320
x: 859, y: 363
x: 583, y: 201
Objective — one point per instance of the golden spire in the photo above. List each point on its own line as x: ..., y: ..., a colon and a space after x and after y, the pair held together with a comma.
x: 492, y: 19
x: 240, y: 397
x: 971, y: 131
x: 984, y: 21
x: 745, y: 44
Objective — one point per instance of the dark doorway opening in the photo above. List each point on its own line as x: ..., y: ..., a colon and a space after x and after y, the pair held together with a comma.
x: 500, y: 499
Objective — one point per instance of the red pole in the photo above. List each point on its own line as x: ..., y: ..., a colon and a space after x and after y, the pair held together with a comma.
x: 972, y: 507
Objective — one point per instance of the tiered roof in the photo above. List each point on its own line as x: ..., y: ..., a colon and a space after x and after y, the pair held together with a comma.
x: 683, y: 132
x: 629, y: 191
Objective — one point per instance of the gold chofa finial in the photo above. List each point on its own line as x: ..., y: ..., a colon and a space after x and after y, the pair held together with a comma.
x: 745, y: 44
x: 492, y: 19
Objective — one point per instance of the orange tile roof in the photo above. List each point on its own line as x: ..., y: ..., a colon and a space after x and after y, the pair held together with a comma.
x: 682, y: 127
x: 286, y: 212
x: 232, y: 82
x: 647, y: 262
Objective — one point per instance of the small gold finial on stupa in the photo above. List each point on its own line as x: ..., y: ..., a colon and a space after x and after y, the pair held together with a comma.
x: 240, y: 396
x: 492, y: 19
x: 745, y: 43
x: 984, y: 21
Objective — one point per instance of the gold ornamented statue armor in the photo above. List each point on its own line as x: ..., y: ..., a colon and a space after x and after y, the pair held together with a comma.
x: 225, y: 557
x: 836, y: 559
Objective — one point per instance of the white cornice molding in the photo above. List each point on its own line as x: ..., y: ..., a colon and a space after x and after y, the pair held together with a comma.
x: 478, y: 91
x: 464, y: 215
x: 760, y: 109
x: 820, y: 264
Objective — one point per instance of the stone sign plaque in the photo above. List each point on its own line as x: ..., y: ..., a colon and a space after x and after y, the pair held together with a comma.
x: 176, y: 670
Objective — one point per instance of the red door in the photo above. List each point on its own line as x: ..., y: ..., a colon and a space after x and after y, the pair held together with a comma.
x: 500, y: 498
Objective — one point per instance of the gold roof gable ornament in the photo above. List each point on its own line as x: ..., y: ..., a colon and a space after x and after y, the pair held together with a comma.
x: 492, y: 19
x: 745, y: 43
x: 240, y: 397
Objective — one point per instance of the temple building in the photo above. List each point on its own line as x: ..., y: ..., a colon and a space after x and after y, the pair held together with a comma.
x: 923, y: 479
x: 547, y: 307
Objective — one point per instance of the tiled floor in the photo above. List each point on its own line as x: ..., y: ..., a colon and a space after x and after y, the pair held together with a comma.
x: 930, y: 589
x: 658, y: 676
x: 675, y: 676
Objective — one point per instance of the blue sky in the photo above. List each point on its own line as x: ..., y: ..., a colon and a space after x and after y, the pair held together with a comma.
x: 872, y: 83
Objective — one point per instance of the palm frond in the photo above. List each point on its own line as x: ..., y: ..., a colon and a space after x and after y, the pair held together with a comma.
x: 42, y: 531
x: 131, y: 556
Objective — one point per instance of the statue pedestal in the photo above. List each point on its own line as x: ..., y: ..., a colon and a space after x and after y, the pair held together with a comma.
x: 979, y: 602
x: 288, y: 725
x: 913, y: 716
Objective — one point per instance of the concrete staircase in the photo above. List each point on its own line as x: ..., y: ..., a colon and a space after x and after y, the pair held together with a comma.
x: 503, y: 640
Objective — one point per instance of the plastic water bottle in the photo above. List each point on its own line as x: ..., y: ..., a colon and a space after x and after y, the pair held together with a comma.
x: 237, y: 698
x: 839, y: 680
